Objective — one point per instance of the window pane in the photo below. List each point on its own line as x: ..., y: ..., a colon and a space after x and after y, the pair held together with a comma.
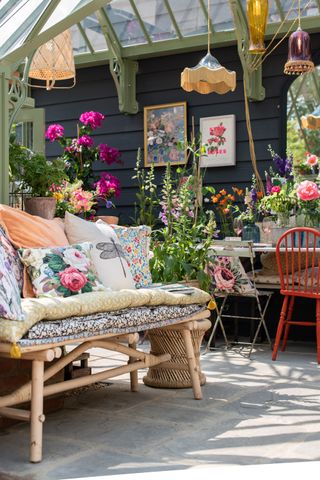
x: 189, y: 16
x: 64, y: 9
x: 78, y: 43
x: 156, y: 19
x: 125, y: 23
x: 94, y: 33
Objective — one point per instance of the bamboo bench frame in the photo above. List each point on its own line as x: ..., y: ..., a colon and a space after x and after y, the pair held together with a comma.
x: 34, y: 391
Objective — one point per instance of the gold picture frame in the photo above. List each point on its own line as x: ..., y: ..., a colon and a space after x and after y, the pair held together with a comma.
x: 165, y: 128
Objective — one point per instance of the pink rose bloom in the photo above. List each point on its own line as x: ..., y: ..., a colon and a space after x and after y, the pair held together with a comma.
x: 308, y: 191
x: 92, y: 119
x: 276, y: 189
x: 54, y: 131
x: 312, y: 160
x: 85, y: 141
x: 72, y: 279
x: 224, y: 279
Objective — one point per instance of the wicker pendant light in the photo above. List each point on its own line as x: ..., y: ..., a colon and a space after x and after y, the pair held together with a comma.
x: 54, y: 62
x: 299, y: 53
x: 312, y: 121
x: 257, y: 14
x: 208, y: 76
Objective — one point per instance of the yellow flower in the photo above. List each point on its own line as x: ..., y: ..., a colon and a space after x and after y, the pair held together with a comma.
x: 58, y: 196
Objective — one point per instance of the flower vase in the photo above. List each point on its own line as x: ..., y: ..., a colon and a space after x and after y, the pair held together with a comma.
x: 44, y: 207
x: 251, y: 232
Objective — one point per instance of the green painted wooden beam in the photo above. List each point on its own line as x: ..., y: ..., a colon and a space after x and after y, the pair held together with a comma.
x: 173, y: 19
x: 5, y: 76
x: 75, y: 17
x: 141, y: 22
x: 123, y: 71
x: 280, y: 9
x: 85, y: 38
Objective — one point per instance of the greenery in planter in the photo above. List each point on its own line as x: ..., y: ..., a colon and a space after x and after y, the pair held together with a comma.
x: 147, y: 195
x: 32, y: 172
x: 180, y: 247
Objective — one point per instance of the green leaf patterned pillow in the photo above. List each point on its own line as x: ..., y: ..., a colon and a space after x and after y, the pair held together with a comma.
x: 61, y: 271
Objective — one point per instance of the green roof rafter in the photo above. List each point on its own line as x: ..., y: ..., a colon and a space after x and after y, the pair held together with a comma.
x: 141, y: 22
x: 85, y: 38
x: 173, y: 19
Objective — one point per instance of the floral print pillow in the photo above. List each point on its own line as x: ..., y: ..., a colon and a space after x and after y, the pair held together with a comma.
x: 228, y: 275
x: 13, y: 258
x: 10, y: 300
x: 135, y: 242
x: 61, y: 271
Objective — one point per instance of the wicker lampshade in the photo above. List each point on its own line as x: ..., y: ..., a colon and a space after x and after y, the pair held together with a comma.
x: 54, y: 62
x: 257, y: 14
x: 299, y: 54
x: 208, y: 76
x: 312, y: 121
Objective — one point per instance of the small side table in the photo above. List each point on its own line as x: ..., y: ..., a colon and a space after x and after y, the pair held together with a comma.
x: 183, y: 370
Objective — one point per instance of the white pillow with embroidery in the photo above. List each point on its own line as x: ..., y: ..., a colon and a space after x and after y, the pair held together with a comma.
x: 107, y: 254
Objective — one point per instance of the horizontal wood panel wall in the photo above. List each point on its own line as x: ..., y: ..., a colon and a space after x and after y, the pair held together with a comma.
x: 158, y: 82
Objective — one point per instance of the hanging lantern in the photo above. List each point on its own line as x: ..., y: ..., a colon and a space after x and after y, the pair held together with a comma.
x: 312, y: 121
x: 208, y: 76
x: 257, y: 14
x: 54, y: 62
x: 299, y: 54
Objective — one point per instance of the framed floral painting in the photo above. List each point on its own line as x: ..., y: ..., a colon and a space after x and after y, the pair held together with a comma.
x: 219, y: 140
x: 165, y: 128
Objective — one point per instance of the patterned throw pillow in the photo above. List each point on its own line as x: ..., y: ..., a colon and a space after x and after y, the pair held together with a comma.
x: 12, y: 258
x: 61, y: 271
x: 10, y: 301
x: 135, y: 242
x: 228, y: 275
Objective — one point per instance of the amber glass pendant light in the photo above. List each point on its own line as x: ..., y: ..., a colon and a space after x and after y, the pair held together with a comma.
x: 299, y: 52
x: 257, y: 15
x: 209, y: 75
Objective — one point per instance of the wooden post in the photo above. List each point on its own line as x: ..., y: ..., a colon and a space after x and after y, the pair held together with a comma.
x: 134, y: 374
x: 37, y: 417
x: 193, y: 369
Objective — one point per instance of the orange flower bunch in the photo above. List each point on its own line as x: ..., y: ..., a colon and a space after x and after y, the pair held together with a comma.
x: 224, y: 201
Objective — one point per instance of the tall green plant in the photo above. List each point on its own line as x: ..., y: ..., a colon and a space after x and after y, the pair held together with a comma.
x: 147, y: 195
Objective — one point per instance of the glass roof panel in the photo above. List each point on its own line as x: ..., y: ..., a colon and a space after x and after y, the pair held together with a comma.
x: 92, y: 29
x: 125, y: 23
x: 221, y: 15
x: 156, y: 19
x: 63, y: 10
x: 290, y: 8
x: 16, y: 21
x: 78, y: 42
x: 189, y: 16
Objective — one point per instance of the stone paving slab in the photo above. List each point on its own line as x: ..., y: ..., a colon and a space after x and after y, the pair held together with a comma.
x: 253, y: 412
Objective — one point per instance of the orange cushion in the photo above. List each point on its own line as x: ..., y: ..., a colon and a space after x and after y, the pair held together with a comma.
x: 24, y: 230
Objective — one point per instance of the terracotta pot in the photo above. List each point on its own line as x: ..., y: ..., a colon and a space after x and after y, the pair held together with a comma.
x: 112, y: 220
x: 44, y: 207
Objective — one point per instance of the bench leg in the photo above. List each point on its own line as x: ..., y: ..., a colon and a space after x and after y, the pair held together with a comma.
x: 193, y: 368
x: 133, y: 375
x: 37, y: 417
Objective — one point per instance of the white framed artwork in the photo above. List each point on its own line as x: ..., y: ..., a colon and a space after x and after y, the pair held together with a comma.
x: 218, y: 136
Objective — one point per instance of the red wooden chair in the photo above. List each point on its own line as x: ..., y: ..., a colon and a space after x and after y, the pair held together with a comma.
x: 298, y: 255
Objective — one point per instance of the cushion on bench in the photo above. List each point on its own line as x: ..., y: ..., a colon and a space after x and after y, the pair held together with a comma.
x: 37, y: 309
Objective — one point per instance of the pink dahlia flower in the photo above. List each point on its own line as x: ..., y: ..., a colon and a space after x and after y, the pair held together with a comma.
x: 54, y: 132
x: 276, y: 189
x: 85, y: 141
x: 108, y: 154
x: 308, y: 191
x: 72, y: 279
x: 92, y: 119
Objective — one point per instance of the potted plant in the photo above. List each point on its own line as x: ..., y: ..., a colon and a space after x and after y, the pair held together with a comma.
x: 33, y: 174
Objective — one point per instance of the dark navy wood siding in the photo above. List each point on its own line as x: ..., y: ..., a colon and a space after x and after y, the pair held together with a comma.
x: 158, y: 82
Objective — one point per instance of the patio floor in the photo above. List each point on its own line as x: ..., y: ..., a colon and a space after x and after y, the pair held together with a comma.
x: 253, y: 412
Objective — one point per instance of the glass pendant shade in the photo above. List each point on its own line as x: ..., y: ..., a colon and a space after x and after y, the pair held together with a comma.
x: 299, y: 54
x: 54, y: 62
x: 312, y: 121
x: 257, y: 15
x: 208, y: 77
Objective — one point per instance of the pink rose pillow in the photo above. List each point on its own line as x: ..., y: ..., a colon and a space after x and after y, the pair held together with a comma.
x: 227, y: 275
x: 61, y: 271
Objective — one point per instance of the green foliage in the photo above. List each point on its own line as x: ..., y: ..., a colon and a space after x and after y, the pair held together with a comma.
x: 180, y: 248
x: 295, y: 142
x: 147, y: 198
x: 32, y: 172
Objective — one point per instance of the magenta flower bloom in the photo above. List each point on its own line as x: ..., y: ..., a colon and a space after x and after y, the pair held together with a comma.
x: 54, y: 132
x: 92, y: 119
x: 108, y: 186
x: 108, y: 154
x: 85, y: 141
